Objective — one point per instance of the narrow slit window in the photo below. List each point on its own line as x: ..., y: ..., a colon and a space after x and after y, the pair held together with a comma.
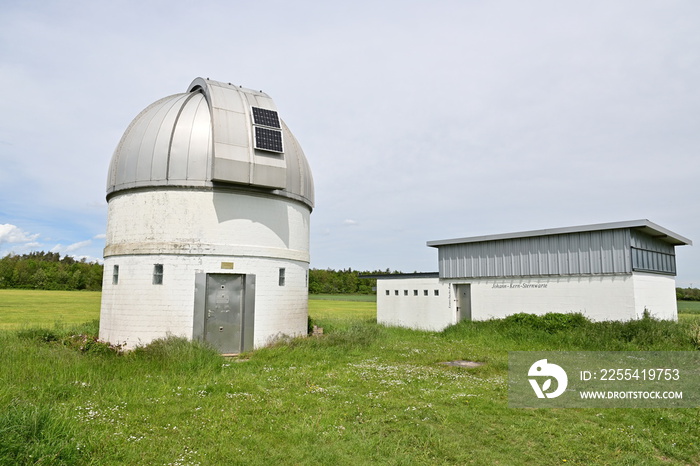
x: 415, y: 292
x: 115, y: 275
x: 396, y: 292
x: 405, y: 292
x: 157, y: 274
x: 425, y: 292
x: 387, y: 292
x: 282, y: 277
x: 437, y: 292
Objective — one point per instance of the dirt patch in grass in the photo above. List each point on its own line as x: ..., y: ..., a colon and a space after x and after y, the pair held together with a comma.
x: 462, y: 363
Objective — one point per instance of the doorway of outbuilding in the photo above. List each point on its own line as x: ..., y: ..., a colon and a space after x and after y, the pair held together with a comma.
x: 464, y: 302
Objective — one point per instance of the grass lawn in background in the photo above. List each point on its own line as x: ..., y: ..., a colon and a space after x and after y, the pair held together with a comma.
x: 331, y: 312
x: 46, y: 308
x: 370, y: 298
x: 689, y: 307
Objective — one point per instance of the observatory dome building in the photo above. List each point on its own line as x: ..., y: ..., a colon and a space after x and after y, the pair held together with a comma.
x: 209, y: 199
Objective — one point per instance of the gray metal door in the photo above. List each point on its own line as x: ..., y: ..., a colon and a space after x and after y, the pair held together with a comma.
x: 464, y: 302
x: 223, y: 318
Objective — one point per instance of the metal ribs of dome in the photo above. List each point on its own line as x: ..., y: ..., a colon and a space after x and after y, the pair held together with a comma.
x: 174, y: 142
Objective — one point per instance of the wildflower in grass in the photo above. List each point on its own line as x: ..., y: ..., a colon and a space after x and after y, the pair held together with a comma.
x: 315, y: 389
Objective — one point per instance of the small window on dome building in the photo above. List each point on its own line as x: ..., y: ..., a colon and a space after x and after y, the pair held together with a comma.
x: 157, y: 274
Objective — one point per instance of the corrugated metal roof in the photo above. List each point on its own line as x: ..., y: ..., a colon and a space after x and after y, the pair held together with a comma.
x: 581, y: 253
x: 647, y: 227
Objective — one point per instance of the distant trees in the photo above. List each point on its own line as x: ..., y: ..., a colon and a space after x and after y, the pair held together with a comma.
x: 347, y: 281
x: 49, y: 271
x: 688, y: 294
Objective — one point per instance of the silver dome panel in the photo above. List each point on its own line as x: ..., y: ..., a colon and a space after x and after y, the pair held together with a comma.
x: 205, y: 138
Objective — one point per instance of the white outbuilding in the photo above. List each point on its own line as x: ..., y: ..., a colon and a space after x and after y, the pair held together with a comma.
x: 209, y: 199
x: 611, y: 271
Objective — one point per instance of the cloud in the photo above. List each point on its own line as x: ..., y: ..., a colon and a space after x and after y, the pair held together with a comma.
x: 12, y: 234
x: 78, y: 245
x: 71, y: 247
x: 465, y: 119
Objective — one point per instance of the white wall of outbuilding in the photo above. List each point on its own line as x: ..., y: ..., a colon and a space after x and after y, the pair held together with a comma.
x: 418, y: 303
x: 599, y: 298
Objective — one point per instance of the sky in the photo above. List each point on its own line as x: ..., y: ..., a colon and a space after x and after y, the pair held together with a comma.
x: 421, y: 120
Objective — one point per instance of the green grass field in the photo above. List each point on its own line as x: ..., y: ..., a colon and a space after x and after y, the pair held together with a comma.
x: 369, y: 298
x: 21, y: 308
x: 689, y: 307
x: 45, y: 308
x: 360, y: 394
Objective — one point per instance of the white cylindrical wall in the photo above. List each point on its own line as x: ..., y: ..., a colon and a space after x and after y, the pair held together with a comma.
x: 192, y: 221
x: 191, y: 231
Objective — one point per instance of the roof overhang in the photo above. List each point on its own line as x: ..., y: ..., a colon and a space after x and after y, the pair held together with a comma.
x: 645, y: 226
x: 391, y: 276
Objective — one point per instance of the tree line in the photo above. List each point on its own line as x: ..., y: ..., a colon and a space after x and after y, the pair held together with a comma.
x: 347, y: 281
x: 688, y: 294
x: 49, y: 271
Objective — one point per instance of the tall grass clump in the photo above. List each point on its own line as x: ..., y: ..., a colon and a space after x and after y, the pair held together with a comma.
x: 177, y: 353
x: 58, y: 332
x: 575, y: 332
x: 336, y: 342
x: 82, y: 337
x: 549, y: 323
x: 694, y: 332
x: 360, y: 334
x: 32, y: 434
x: 645, y: 334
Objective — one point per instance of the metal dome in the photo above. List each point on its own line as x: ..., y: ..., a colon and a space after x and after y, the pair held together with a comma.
x: 209, y: 137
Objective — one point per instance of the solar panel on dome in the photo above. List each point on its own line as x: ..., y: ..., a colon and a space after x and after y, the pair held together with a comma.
x: 268, y: 139
x: 266, y: 117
